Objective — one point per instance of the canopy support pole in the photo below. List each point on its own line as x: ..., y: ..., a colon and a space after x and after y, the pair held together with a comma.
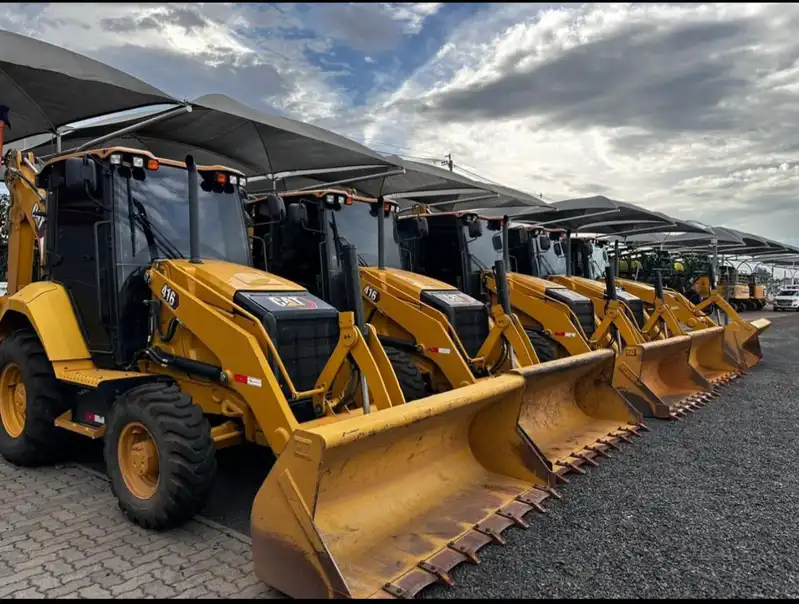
x: 133, y: 127
x: 568, y: 253
x: 354, y: 179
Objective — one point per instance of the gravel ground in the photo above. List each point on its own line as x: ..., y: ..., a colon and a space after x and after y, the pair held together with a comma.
x: 704, y: 507
x: 701, y: 508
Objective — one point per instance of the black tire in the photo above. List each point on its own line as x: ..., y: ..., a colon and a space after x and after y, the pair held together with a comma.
x: 186, y: 455
x: 545, y: 347
x: 410, y: 378
x: 40, y: 441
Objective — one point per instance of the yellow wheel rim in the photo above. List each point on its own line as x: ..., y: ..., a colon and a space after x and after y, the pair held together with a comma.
x: 138, y: 460
x: 13, y: 400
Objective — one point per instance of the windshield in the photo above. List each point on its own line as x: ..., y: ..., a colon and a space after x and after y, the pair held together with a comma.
x: 789, y: 293
x: 552, y: 261
x: 357, y: 224
x: 482, y: 254
x: 598, y: 262
x: 161, y: 202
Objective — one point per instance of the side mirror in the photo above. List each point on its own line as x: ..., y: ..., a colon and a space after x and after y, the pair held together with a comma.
x: 496, y: 240
x: 588, y: 248
x: 544, y: 243
x: 273, y: 208
x: 475, y: 228
x: 298, y: 214
x: 80, y: 174
x: 524, y: 236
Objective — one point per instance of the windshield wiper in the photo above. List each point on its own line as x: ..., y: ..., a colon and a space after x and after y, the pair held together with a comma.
x: 161, y: 242
x: 477, y: 261
x: 339, y: 238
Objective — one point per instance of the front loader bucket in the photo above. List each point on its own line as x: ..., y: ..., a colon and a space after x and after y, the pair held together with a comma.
x: 746, y: 336
x: 712, y: 357
x: 572, y: 411
x: 658, y: 380
x: 385, y: 504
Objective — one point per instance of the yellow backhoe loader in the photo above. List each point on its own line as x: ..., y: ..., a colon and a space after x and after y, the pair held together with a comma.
x: 708, y: 352
x: 655, y: 377
x: 145, y: 325
x: 741, y: 337
x: 711, y: 354
x: 435, y: 332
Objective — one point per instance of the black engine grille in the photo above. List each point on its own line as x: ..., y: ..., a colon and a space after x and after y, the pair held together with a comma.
x: 304, y: 330
x: 469, y: 317
x: 304, y: 346
x: 471, y: 325
x: 580, y: 306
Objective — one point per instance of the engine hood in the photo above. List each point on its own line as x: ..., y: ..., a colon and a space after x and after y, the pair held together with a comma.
x: 533, y: 282
x: 228, y: 278
x: 405, y: 280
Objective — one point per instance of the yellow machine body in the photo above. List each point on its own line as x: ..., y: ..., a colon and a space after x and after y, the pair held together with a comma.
x: 386, y: 504
x: 710, y: 353
x: 741, y: 337
x: 396, y: 308
x: 358, y: 496
x: 656, y: 377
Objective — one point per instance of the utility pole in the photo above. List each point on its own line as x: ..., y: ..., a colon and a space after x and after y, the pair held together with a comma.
x: 449, y: 162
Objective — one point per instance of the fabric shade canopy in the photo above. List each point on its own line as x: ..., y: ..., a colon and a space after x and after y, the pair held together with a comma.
x: 45, y: 87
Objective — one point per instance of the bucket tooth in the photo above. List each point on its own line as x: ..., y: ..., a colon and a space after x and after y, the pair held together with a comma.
x: 490, y: 532
x: 623, y: 437
x: 515, y: 513
x: 533, y: 500
x: 468, y: 551
x: 586, y: 459
x: 549, y: 491
x: 610, y: 444
x: 560, y: 477
x: 572, y: 466
x: 600, y: 452
x: 439, y: 572
x: 397, y: 591
x: 644, y: 427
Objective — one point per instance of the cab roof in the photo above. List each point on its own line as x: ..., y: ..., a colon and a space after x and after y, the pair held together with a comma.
x: 105, y: 152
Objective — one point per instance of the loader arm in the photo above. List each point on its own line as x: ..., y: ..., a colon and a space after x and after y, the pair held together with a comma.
x: 741, y: 346
x: 558, y: 320
x: 744, y: 334
x: 26, y: 218
x: 242, y: 346
x: 509, y: 327
x: 433, y: 335
x: 655, y: 377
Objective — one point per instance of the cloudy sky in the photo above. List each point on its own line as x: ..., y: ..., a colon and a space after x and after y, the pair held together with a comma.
x: 690, y: 109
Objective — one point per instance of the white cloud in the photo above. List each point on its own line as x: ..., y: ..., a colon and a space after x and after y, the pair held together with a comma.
x: 413, y: 15
x: 684, y: 108
x: 724, y: 154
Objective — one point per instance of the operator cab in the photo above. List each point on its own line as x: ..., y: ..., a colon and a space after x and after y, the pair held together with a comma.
x: 590, y: 260
x: 457, y: 249
x: 306, y: 247
x: 111, y: 213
